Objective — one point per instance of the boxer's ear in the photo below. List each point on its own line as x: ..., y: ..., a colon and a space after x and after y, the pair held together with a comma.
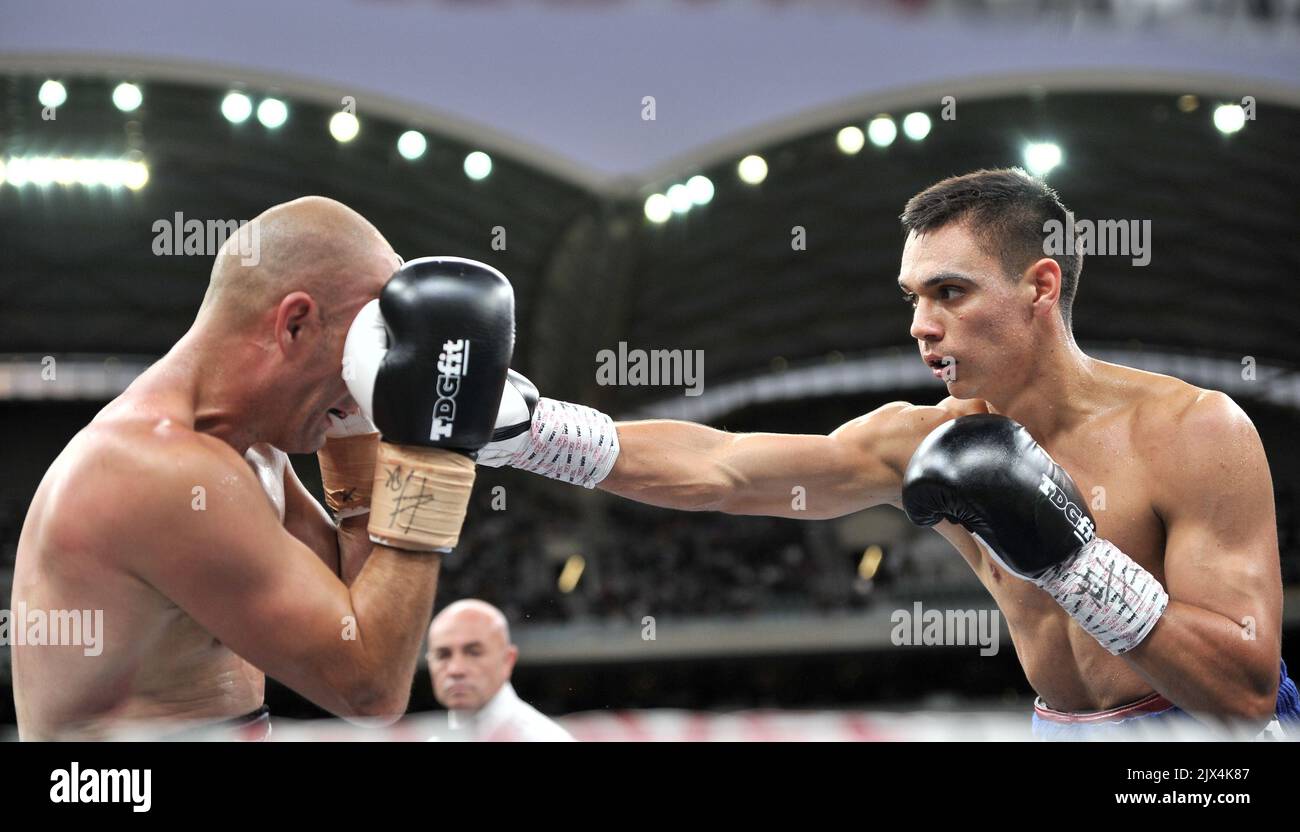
x: 295, y: 313
x: 1044, y: 278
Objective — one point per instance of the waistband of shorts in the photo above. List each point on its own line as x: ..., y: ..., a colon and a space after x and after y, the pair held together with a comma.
x: 1153, y: 703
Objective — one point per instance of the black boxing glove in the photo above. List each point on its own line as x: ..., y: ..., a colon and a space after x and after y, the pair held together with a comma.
x: 430, y: 356
x: 426, y: 362
x: 987, y: 474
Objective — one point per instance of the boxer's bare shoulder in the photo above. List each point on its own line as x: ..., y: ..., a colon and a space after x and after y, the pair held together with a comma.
x: 1151, y: 396
x: 1204, y: 465
x: 110, y: 481
x: 1175, y: 423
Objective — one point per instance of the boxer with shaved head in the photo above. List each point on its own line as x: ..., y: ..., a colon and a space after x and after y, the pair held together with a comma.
x: 176, y: 514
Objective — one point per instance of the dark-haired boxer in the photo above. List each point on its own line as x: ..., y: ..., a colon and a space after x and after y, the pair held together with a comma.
x: 175, y: 513
x: 1187, y: 615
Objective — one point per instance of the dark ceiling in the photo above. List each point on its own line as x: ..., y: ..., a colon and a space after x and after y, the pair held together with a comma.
x: 78, y: 274
x: 1225, y: 234
x: 77, y: 268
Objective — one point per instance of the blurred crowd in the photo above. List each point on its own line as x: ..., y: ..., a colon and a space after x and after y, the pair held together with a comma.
x: 545, y: 557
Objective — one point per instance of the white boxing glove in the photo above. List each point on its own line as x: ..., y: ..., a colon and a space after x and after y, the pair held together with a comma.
x: 355, y: 424
x: 560, y: 440
x: 514, y: 417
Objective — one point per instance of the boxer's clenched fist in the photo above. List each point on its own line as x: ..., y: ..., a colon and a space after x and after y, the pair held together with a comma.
x: 426, y: 362
x: 986, y: 473
x: 514, y: 421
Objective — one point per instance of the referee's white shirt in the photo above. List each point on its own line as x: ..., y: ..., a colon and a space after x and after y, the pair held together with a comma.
x: 507, y: 718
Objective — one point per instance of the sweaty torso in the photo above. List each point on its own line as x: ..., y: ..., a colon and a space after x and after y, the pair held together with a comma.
x: 1109, y: 456
x: 151, y: 661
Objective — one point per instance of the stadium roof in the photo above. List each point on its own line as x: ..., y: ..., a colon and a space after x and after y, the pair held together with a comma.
x: 561, y: 85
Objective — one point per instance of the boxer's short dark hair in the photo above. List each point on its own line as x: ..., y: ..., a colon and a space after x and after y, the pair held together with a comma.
x: 1005, y: 209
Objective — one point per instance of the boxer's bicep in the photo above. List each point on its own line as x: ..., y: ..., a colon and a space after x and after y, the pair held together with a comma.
x: 857, y: 466
x: 874, y: 451
x: 1221, y: 551
x: 229, y: 564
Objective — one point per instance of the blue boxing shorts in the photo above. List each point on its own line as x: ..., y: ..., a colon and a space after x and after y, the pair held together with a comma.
x: 1158, y: 714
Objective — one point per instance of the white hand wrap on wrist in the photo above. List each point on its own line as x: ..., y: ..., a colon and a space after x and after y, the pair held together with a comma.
x: 1111, y: 597
x: 569, y: 442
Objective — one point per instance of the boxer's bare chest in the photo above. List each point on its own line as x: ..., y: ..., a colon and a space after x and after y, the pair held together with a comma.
x: 1115, y: 476
x: 154, y: 660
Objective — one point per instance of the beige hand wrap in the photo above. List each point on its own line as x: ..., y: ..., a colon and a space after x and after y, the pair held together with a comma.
x: 420, y: 497
x: 347, y: 472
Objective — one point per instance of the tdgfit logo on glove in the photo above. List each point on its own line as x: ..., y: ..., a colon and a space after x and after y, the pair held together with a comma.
x: 453, y: 363
x: 1081, y: 522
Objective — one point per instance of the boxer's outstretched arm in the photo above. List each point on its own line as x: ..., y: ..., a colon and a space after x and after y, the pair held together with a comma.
x: 233, y: 568
x: 697, y: 468
x: 1217, y: 648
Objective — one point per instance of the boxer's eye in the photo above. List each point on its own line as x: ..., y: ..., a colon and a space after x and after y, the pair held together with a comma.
x: 909, y: 299
x: 944, y: 290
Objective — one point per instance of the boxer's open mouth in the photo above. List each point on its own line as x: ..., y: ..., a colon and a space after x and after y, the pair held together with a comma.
x: 940, y: 366
x: 338, y: 414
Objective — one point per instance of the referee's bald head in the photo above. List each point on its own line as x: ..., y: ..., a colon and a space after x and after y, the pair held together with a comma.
x: 472, y: 609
